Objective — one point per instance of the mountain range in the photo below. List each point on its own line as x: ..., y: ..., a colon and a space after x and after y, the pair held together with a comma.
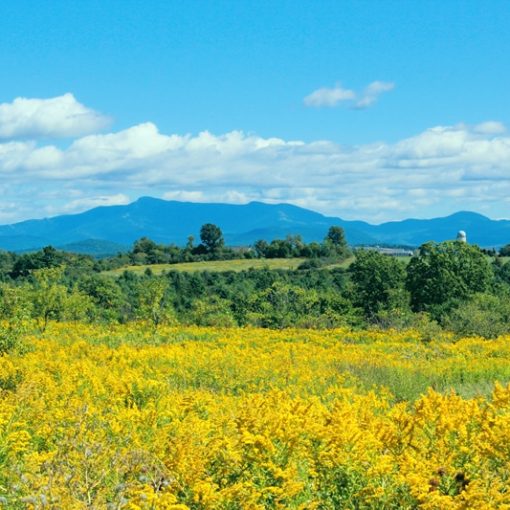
x: 109, y: 229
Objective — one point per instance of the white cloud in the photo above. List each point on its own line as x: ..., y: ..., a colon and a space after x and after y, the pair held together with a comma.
x: 490, y: 128
x: 58, y: 117
x: 331, y: 97
x: 438, y: 171
x: 220, y: 196
x: 82, y: 204
x: 372, y: 92
x: 14, y: 155
x: 8, y: 212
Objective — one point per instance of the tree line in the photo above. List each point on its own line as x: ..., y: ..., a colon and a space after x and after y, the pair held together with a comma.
x: 212, y: 247
x: 449, y: 285
x: 145, y: 251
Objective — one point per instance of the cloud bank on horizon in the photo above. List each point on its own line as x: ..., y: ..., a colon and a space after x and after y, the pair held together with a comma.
x: 436, y: 172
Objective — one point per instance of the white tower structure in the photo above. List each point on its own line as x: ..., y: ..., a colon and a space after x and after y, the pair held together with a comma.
x: 461, y: 236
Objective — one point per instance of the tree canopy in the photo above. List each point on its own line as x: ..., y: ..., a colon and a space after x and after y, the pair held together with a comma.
x: 443, y: 273
x: 376, y: 280
x: 211, y: 237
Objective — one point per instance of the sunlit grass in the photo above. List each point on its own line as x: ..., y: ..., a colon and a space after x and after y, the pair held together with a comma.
x: 223, y: 265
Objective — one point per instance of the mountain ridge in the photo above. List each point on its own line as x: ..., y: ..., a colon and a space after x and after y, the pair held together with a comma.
x: 171, y: 221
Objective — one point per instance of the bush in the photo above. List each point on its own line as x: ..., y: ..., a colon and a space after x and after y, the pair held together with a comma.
x: 311, y: 264
x: 15, y: 309
x: 402, y: 319
x: 504, y: 251
x: 483, y: 315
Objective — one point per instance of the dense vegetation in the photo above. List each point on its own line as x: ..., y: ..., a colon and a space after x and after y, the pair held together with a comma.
x: 449, y: 285
x: 212, y: 247
x: 121, y: 417
x: 126, y: 390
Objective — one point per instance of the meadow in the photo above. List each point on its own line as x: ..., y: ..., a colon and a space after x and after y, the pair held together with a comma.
x: 222, y: 266
x: 125, y: 417
x: 213, y: 266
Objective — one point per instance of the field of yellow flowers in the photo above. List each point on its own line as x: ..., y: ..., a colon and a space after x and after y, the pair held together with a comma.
x: 120, y: 417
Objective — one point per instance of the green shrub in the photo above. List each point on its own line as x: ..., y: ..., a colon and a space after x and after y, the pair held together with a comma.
x: 483, y: 315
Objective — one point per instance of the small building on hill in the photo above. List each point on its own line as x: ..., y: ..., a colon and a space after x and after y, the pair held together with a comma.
x: 461, y: 236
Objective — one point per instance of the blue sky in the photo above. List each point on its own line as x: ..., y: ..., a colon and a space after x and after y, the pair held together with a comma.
x: 361, y: 109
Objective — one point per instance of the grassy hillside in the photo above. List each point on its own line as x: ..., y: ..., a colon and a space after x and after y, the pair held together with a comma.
x: 210, y: 419
x: 222, y: 265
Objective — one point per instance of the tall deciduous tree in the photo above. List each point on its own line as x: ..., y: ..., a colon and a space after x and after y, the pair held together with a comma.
x: 335, y: 241
x: 154, y: 303
x: 336, y: 236
x: 378, y: 282
x: 211, y: 237
x: 52, y: 299
x: 442, y: 273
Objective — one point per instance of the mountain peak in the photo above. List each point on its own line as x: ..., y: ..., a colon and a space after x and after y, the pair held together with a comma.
x: 147, y: 199
x: 169, y: 222
x: 468, y: 215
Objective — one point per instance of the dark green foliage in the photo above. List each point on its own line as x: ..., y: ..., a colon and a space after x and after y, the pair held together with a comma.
x: 334, y: 247
x: 502, y: 272
x: 336, y: 237
x: 7, y: 261
x: 260, y: 248
x: 451, y: 283
x: 106, y: 295
x: 311, y: 264
x: 335, y: 242
x: 280, y: 249
x: 21, y: 266
x: 442, y: 274
x: 484, y: 315
x: 378, y: 282
x: 262, y: 297
x: 211, y: 237
x: 150, y: 250
x: 46, y: 258
x: 15, y: 309
x: 147, y: 252
x: 504, y: 251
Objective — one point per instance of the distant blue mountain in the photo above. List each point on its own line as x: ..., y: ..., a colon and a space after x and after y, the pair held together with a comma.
x: 109, y: 229
x: 95, y: 247
x: 480, y: 230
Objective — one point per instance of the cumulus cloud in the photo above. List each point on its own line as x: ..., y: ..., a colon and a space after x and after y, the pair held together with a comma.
x: 331, y: 97
x: 372, y: 92
x: 58, y: 117
x: 438, y: 171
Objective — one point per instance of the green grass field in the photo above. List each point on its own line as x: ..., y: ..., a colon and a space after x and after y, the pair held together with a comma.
x: 222, y: 265
x: 238, y: 265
